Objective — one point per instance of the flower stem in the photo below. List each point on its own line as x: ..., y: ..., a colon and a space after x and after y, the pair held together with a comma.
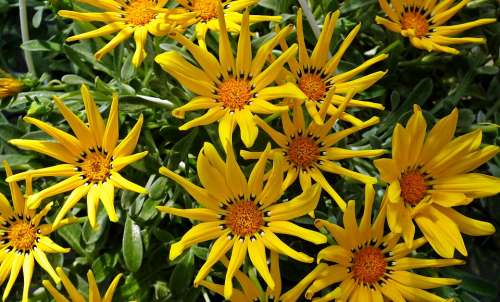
x: 310, y: 18
x: 23, y: 18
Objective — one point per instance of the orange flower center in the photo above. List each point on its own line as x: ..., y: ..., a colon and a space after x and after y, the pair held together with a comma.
x: 140, y: 12
x: 96, y: 167
x: 22, y: 235
x: 313, y: 86
x: 369, y: 265
x: 206, y: 8
x: 244, y: 218
x: 413, y: 187
x: 415, y: 21
x: 303, y: 151
x: 235, y: 93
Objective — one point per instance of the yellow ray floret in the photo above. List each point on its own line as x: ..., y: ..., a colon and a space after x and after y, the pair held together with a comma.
x: 232, y: 90
x: 9, y: 86
x: 368, y: 265
x: 249, y: 292
x: 129, y: 18
x: 92, y: 158
x: 310, y: 150
x: 207, y: 16
x: 242, y: 215
x: 429, y: 174
x: 424, y: 23
x: 316, y: 74
x: 73, y: 293
x: 25, y: 239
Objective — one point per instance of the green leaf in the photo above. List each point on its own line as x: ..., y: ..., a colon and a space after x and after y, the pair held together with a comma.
x: 182, y: 276
x: 132, y: 245
x: 39, y: 45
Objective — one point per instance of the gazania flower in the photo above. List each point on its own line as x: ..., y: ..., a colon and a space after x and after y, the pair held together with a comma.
x: 207, y: 15
x: 429, y: 174
x: 232, y: 89
x: 249, y: 291
x: 368, y: 265
x: 73, y: 293
x: 25, y: 239
x: 316, y: 74
x: 423, y: 22
x: 131, y: 17
x: 10, y: 86
x: 310, y: 151
x: 92, y: 159
x: 241, y: 215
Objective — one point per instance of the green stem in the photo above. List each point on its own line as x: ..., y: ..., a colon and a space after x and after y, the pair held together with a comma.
x: 25, y: 34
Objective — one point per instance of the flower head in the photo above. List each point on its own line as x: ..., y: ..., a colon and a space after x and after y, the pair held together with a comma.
x: 429, y: 174
x: 232, y: 89
x: 10, y: 86
x: 317, y: 74
x: 127, y: 18
x: 424, y: 23
x: 369, y: 265
x: 25, y: 239
x: 310, y: 150
x: 73, y: 293
x: 207, y: 15
x: 92, y: 158
x: 242, y: 215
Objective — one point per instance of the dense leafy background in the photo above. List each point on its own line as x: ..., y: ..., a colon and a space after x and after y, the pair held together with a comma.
x: 138, y: 245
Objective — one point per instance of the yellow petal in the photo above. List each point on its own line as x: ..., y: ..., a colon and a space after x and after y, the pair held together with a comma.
x: 298, y: 206
x: 286, y: 227
x: 274, y: 243
x: 108, y: 296
x: 121, y: 36
x: 199, y: 214
x: 127, y: 145
x: 119, y: 181
x: 201, y: 195
x: 220, y: 247
x: 257, y: 253
x: 70, y: 288
x: 237, y: 257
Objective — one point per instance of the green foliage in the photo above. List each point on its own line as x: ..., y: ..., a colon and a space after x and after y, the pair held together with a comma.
x: 138, y: 244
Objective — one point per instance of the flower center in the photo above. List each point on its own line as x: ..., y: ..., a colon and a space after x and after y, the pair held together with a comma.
x: 206, y: 8
x: 415, y: 21
x: 413, y: 187
x: 369, y: 265
x: 234, y: 93
x: 96, y: 167
x: 244, y: 218
x: 22, y: 235
x: 140, y: 12
x: 303, y: 151
x: 313, y: 86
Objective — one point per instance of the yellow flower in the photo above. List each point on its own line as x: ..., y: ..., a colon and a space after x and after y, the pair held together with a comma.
x: 207, y: 17
x: 249, y: 291
x: 368, y: 264
x: 317, y: 74
x: 429, y: 174
x: 10, y: 86
x: 131, y: 17
x: 242, y: 215
x: 310, y: 151
x: 232, y: 89
x: 92, y: 159
x: 24, y: 239
x: 423, y: 22
x: 73, y: 293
